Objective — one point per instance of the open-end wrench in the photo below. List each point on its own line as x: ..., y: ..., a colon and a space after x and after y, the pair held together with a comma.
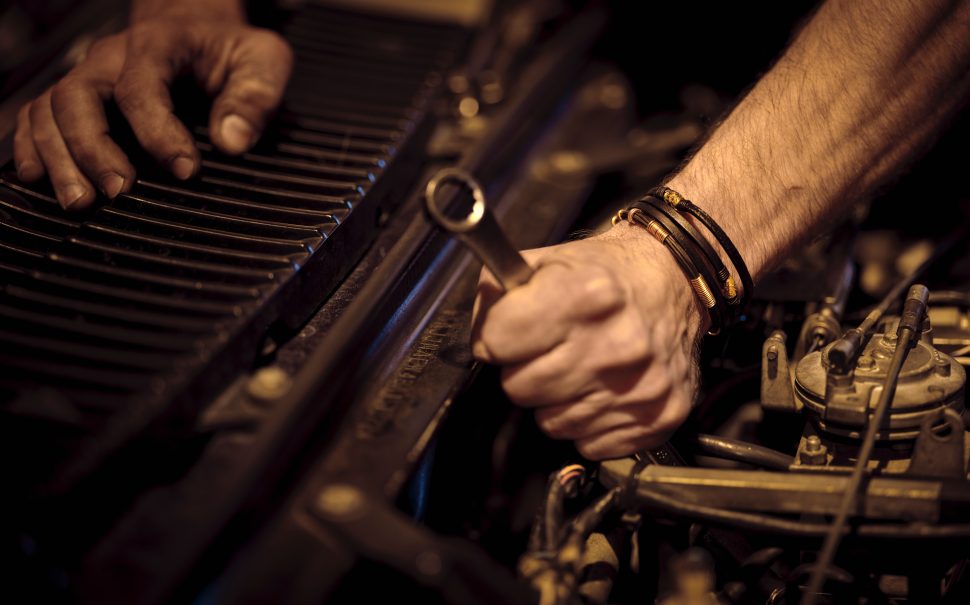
x: 478, y: 230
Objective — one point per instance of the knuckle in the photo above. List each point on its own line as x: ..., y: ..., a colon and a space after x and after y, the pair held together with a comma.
x: 599, y: 291
x: 127, y: 94
x: 62, y: 93
x: 23, y: 115
x: 630, y: 346
x: 492, y: 337
x: 274, y: 42
x: 102, y: 46
x: 36, y: 112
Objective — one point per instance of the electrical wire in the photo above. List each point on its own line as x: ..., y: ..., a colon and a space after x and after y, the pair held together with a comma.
x: 906, y: 335
x: 845, y: 349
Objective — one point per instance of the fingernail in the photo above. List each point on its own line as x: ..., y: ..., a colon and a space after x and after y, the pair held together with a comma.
x: 182, y: 167
x: 111, y: 185
x: 70, y: 195
x: 236, y: 133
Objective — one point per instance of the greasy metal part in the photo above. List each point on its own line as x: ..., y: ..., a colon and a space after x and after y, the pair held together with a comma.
x: 890, y: 497
x: 940, y: 449
x: 599, y: 568
x: 839, y: 404
x: 694, y: 579
x: 460, y: 572
x: 818, y: 330
x: 811, y: 451
x: 843, y: 352
x: 740, y: 451
x: 776, y: 380
x: 478, y: 230
x: 268, y: 384
x: 907, y: 335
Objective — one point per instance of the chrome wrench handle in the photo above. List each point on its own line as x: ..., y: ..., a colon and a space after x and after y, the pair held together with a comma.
x: 478, y: 230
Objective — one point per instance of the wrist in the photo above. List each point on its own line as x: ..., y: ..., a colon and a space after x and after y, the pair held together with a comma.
x: 730, y: 212
x: 225, y: 10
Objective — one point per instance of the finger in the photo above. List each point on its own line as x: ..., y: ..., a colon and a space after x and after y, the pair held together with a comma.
x: 29, y: 165
x: 258, y: 72
x: 572, y: 419
x: 643, y: 433
x: 73, y: 190
x: 489, y: 292
x: 532, y: 319
x: 619, y: 442
x: 610, y: 356
x: 142, y: 94
x: 78, y: 107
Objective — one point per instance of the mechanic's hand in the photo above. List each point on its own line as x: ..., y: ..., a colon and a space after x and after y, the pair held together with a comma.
x: 601, y: 341
x: 64, y: 133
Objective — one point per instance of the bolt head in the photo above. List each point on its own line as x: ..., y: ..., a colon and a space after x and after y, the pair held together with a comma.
x: 268, y: 383
x: 340, y: 501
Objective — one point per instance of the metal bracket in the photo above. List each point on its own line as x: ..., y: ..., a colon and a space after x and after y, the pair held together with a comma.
x: 776, y: 383
x: 939, y: 450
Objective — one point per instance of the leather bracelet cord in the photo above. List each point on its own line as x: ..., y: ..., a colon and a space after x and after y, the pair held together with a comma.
x: 685, y: 205
x: 692, y: 236
x: 698, y: 274
x: 707, y: 283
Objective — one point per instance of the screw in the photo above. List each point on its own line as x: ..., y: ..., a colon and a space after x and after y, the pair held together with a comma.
x: 813, y: 444
x: 865, y: 362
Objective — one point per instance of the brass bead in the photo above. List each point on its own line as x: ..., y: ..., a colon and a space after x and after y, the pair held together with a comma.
x: 703, y: 292
x: 730, y: 288
x: 658, y: 231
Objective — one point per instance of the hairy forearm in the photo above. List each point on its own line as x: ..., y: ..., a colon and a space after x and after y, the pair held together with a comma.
x: 221, y: 9
x: 863, y: 87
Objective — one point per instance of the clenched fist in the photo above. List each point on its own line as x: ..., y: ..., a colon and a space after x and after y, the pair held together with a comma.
x: 601, y: 341
x: 63, y: 133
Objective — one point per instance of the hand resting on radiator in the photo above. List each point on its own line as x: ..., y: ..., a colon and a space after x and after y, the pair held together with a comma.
x: 63, y: 133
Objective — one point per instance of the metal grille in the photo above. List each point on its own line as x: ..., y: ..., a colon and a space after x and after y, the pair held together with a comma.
x: 147, y: 305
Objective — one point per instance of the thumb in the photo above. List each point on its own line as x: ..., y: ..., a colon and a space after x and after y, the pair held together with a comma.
x: 258, y: 70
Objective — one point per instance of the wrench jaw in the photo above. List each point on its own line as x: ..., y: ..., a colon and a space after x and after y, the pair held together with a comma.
x: 479, y: 230
x: 438, y: 214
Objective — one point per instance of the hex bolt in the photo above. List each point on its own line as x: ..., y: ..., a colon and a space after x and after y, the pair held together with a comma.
x: 268, y: 384
x: 340, y: 501
x: 813, y: 452
x: 866, y: 363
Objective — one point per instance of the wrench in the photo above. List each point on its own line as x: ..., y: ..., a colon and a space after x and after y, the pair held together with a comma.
x: 478, y: 230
